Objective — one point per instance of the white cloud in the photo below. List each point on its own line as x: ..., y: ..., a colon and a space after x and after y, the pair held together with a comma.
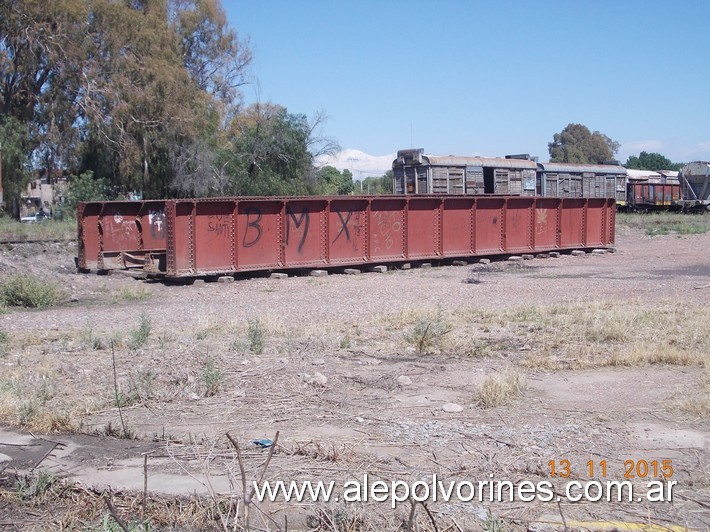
x: 359, y: 163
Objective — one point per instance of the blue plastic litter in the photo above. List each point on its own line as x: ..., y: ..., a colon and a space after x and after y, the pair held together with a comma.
x: 264, y: 444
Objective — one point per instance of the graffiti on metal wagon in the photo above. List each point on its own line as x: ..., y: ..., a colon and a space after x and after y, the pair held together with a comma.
x: 218, y: 224
x: 388, y: 225
x: 120, y: 229
x: 156, y: 221
x: 349, y: 227
x: 252, y: 233
x: 302, y: 219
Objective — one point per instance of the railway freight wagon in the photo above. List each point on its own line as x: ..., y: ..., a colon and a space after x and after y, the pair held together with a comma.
x: 695, y: 186
x: 417, y: 173
x: 216, y: 236
x: 566, y: 180
x: 652, y: 196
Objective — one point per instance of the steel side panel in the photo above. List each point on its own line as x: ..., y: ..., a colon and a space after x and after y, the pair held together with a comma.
x: 610, y: 222
x: 457, y: 227
x: 488, y: 225
x: 546, y: 223
x: 259, y: 235
x: 519, y: 213
x: 214, y: 236
x: 347, y: 241
x: 184, y: 238
x: 594, y: 222
x: 89, y: 237
x: 422, y: 228
x: 119, y: 226
x: 152, y: 225
x: 386, y: 228
x: 304, y: 233
x: 572, y: 222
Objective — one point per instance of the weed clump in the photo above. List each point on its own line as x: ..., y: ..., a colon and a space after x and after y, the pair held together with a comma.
x: 212, y: 378
x: 257, y: 336
x: 26, y: 291
x: 496, y: 390
x: 427, y: 333
x: 140, y: 335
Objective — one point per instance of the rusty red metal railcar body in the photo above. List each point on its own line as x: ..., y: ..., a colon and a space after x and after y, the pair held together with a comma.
x: 193, y: 237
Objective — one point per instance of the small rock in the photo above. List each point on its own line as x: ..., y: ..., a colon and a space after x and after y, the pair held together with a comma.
x: 452, y: 408
x: 404, y: 380
x: 484, y: 261
x: 360, y: 420
x: 74, y: 298
x: 318, y: 361
x: 379, y: 269
x: 351, y: 271
x: 319, y: 379
x: 318, y: 273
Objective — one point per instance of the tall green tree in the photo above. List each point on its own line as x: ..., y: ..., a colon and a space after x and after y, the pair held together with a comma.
x: 378, y: 185
x: 41, y: 57
x: 271, y: 152
x: 651, y: 161
x: 334, y: 182
x: 577, y: 144
x: 16, y: 167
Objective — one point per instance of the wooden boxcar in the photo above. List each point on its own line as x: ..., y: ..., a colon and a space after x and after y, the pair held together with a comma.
x: 417, y: 173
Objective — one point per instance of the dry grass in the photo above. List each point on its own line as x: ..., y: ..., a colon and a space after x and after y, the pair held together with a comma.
x: 499, y: 389
x: 698, y: 403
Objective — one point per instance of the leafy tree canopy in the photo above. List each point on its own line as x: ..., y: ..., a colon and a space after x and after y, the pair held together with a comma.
x: 651, y: 161
x: 576, y: 144
x: 334, y: 182
x: 378, y: 185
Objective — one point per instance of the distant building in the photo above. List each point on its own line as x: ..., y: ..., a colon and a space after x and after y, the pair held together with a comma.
x: 41, y: 194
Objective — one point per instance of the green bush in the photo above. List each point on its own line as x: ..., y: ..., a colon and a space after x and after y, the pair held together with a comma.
x: 29, y: 292
x: 140, y: 335
x: 84, y: 188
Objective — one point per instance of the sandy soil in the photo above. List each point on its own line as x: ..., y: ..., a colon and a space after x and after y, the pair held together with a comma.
x: 350, y: 395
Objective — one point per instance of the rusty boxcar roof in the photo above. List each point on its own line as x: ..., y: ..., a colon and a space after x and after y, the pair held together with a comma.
x: 570, y: 168
x: 495, y: 162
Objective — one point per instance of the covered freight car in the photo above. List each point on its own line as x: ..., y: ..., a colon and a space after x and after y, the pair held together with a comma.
x: 566, y: 180
x: 695, y: 186
x: 417, y: 173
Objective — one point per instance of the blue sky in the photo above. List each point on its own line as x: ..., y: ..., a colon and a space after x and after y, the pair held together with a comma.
x: 486, y: 78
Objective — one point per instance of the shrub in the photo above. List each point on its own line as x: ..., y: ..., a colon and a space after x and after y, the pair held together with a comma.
x: 498, y: 389
x: 427, y: 333
x: 257, y: 336
x: 140, y: 335
x: 212, y: 378
x: 29, y: 292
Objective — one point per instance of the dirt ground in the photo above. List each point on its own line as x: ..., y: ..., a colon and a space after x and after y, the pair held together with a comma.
x: 353, y: 387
